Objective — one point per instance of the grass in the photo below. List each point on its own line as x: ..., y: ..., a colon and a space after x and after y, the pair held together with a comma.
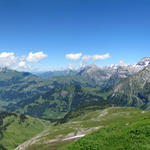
x: 130, y: 137
x: 18, y: 132
x: 52, y: 146
x: 115, y: 124
x: 107, y: 120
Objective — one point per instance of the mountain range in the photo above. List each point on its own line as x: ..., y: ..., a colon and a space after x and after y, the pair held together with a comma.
x: 53, y: 97
x: 102, y: 76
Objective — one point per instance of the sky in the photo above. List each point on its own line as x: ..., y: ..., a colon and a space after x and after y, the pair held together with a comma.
x: 42, y: 35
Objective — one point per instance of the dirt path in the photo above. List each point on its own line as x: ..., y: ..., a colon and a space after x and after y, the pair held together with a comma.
x: 32, y: 140
x: 79, y: 132
x: 68, y: 137
x: 74, y: 137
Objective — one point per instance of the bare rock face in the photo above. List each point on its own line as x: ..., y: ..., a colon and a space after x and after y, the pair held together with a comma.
x: 95, y: 74
x: 103, y: 76
x: 134, y: 90
x: 3, y: 69
x: 107, y: 76
x: 144, y: 62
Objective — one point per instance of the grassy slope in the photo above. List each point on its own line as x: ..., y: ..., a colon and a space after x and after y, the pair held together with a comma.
x: 19, y: 131
x: 131, y: 132
x: 88, y: 122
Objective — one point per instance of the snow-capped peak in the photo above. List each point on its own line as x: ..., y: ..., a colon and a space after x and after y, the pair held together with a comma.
x: 144, y: 62
x: 3, y: 69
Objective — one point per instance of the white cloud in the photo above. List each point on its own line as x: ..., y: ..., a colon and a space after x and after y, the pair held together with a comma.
x: 122, y: 63
x: 23, y: 58
x: 73, y: 56
x: 71, y: 67
x: 35, y: 57
x: 96, y: 57
x: 7, y: 59
x: 100, y: 57
x: 22, y: 64
x: 83, y: 64
x: 86, y: 57
x: 6, y: 54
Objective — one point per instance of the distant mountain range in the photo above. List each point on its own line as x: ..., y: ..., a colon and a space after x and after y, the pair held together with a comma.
x: 50, y: 74
x: 56, y: 93
x: 102, y: 76
x: 134, y: 90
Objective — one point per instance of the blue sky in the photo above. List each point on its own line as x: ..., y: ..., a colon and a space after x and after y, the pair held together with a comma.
x: 55, y: 28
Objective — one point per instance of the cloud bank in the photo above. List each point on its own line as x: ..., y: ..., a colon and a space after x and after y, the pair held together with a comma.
x: 25, y: 62
x: 9, y: 60
x: 85, y: 59
x: 35, y: 57
x: 73, y: 56
x: 96, y: 57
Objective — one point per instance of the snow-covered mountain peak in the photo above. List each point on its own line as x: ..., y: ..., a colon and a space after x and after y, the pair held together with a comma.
x: 144, y: 62
x: 3, y: 69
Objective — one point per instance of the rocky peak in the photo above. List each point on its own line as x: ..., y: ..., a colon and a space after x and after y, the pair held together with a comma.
x: 2, y: 69
x: 87, y: 69
x: 144, y: 62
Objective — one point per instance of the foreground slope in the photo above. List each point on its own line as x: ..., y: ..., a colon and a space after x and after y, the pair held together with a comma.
x: 17, y: 128
x: 84, y: 121
x: 127, y: 136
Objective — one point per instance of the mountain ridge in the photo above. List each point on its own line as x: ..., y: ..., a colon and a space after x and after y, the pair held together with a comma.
x: 54, y: 97
x: 134, y: 90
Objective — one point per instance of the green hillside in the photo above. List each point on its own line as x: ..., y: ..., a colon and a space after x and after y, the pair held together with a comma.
x: 106, y: 123
x: 17, y: 128
x: 127, y: 136
x: 90, y: 119
x: 16, y: 86
x: 23, y: 92
x: 58, y: 101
